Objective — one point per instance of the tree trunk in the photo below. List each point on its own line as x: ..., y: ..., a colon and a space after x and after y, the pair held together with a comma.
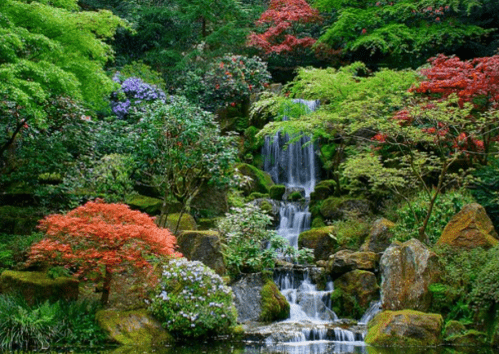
x: 106, y: 287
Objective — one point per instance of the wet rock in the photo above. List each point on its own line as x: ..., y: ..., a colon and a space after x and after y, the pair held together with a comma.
x: 203, y: 246
x: 248, y: 299
x: 345, y: 261
x: 134, y: 328
x: 405, y: 328
x: 353, y: 292
x: 380, y: 236
x: 408, y: 269
x: 319, y: 240
x: 38, y: 287
x: 313, y: 307
x: 469, y: 228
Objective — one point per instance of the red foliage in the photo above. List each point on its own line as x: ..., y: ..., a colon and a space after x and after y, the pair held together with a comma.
x: 471, y: 80
x: 281, y: 17
x: 97, y: 239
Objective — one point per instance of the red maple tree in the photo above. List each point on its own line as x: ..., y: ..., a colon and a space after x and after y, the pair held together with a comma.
x: 281, y: 20
x: 475, y: 81
x: 98, y: 239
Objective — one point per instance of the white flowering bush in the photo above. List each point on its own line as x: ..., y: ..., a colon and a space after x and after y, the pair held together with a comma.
x: 192, y: 301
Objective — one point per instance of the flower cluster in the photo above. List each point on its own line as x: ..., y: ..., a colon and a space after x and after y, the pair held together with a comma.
x: 133, y: 94
x: 192, y: 301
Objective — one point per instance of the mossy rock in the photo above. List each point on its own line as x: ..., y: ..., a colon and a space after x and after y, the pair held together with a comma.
x: 319, y: 240
x: 405, y: 328
x: 468, y: 338
x: 353, y: 293
x: 322, y: 190
x: 19, y: 220
x: 296, y: 197
x: 38, y: 287
x: 277, y: 191
x: 380, y: 236
x: 275, y: 307
x: 335, y: 208
x: 203, y: 246
x: 186, y: 223
x: 149, y: 205
x: 134, y: 328
x: 211, y: 201
x: 256, y: 195
x: 260, y: 180
x: 469, y: 228
x: 207, y: 223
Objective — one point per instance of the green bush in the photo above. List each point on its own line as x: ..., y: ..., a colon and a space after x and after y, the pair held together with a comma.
x: 42, y: 325
x: 249, y: 246
x: 192, y: 301
x: 486, y: 290
x: 446, y: 206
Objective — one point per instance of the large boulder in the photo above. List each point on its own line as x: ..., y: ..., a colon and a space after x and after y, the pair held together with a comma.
x: 133, y: 328
x: 405, y: 328
x: 380, y: 236
x: 203, y: 246
x: 38, y: 287
x: 277, y: 191
x: 345, y: 261
x: 408, y: 269
x: 319, y: 240
x: 260, y: 180
x: 258, y: 298
x: 353, y: 292
x: 322, y: 190
x: 469, y: 228
x: 211, y: 201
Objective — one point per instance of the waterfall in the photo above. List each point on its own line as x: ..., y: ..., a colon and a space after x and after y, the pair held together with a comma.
x: 310, y: 328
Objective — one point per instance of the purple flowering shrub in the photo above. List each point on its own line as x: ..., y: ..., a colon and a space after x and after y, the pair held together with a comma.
x: 133, y: 95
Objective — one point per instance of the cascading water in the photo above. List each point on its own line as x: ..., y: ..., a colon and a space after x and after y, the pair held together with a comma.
x: 310, y: 328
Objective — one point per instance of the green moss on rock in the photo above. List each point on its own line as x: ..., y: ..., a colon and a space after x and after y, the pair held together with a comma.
x: 296, y: 197
x: 186, y: 223
x: 38, y: 287
x: 135, y: 328
x: 319, y: 240
x: 468, y: 338
x: 274, y: 305
x: 405, y: 328
x: 151, y: 206
x: 256, y: 195
x: 203, y: 246
x: 277, y: 191
x: 260, y: 180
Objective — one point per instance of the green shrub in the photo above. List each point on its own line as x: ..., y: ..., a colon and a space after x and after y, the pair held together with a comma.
x: 486, y: 285
x: 350, y: 233
x: 446, y: 206
x: 249, y: 246
x: 192, y: 301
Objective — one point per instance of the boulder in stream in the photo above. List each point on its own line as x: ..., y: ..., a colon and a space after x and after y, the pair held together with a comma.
x: 319, y: 240
x: 345, y: 261
x: 379, y: 237
x: 406, y: 328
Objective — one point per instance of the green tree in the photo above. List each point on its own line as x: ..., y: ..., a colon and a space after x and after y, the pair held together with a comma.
x: 404, y: 33
x: 50, y: 50
x: 178, y: 147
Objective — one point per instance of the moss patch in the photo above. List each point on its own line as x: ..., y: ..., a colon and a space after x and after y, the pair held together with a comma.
x: 151, y: 206
x: 37, y: 287
x: 319, y: 240
x: 277, y: 191
x: 274, y: 305
x: 135, y: 328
